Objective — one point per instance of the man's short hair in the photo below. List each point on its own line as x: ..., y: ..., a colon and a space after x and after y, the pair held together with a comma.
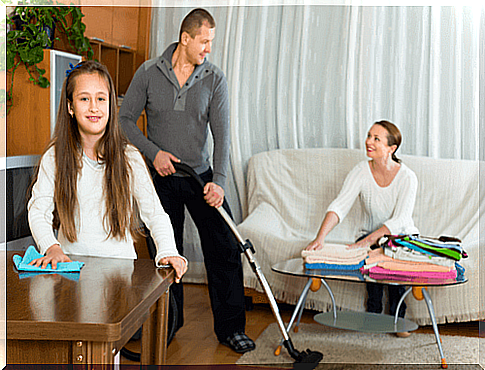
x: 194, y: 20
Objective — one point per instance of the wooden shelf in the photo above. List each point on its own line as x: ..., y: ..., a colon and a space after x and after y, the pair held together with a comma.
x: 120, y: 61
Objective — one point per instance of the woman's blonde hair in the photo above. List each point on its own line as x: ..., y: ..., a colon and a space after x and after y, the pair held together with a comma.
x: 121, y: 208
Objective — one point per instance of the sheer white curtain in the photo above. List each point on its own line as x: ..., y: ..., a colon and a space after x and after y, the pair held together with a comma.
x: 318, y: 76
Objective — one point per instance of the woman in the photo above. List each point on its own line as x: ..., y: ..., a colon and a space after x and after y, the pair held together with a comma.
x: 92, y: 185
x: 387, y: 192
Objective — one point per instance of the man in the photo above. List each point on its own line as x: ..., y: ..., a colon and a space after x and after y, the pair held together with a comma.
x: 183, y: 95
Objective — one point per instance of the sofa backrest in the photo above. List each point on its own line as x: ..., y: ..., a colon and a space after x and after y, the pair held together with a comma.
x: 301, y: 183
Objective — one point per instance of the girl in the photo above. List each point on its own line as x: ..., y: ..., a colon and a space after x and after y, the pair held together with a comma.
x: 92, y: 185
x: 387, y: 191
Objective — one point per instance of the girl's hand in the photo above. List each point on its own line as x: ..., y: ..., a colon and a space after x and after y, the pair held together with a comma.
x: 53, y: 255
x: 315, y: 245
x: 178, y: 264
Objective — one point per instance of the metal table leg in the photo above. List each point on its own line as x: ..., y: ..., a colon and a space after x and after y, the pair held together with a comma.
x: 429, y: 303
x: 396, y: 316
x: 334, y: 307
x: 298, y: 309
x: 300, y: 306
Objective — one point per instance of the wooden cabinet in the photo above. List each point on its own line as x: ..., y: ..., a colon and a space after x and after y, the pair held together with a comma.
x: 28, y: 122
x: 120, y: 27
x: 120, y: 62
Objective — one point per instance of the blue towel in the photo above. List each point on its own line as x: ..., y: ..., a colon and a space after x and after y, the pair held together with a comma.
x: 31, y: 254
x: 328, y: 266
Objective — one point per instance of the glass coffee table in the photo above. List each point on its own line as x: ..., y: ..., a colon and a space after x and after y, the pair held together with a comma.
x: 362, y: 321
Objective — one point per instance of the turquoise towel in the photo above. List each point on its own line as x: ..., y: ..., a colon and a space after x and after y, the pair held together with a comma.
x: 31, y: 254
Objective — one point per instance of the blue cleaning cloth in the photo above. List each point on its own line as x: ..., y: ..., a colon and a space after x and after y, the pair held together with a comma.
x: 22, y: 263
x: 74, y: 276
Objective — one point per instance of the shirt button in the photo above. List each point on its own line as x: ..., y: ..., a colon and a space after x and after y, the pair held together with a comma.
x: 196, y: 76
x: 187, y: 84
x: 170, y: 69
x: 206, y: 71
x: 179, y: 97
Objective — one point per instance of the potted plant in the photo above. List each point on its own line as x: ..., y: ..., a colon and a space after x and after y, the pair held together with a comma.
x: 30, y: 29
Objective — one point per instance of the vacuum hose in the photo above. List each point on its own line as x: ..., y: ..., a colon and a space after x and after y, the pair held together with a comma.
x: 305, y: 360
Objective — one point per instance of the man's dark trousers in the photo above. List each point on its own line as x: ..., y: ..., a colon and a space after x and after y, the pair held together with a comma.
x: 222, y: 257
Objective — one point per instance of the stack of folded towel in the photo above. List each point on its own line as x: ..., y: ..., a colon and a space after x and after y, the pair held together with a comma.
x: 335, y: 257
x: 411, y: 258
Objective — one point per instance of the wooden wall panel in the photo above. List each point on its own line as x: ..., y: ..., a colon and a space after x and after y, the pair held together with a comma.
x: 125, y: 26
x: 143, y: 46
x: 28, y: 122
x: 99, y: 22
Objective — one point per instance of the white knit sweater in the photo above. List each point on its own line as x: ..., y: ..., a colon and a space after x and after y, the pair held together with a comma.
x: 92, y: 237
x: 391, y: 206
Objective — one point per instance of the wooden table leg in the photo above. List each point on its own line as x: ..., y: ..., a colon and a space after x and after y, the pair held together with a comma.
x: 154, y: 333
x: 99, y: 356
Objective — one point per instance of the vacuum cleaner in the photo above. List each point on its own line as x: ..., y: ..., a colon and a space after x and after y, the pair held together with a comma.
x: 305, y: 360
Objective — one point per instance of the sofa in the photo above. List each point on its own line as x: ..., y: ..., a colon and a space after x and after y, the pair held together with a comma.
x: 289, y: 191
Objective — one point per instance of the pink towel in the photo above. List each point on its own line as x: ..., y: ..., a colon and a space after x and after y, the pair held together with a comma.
x: 377, y: 272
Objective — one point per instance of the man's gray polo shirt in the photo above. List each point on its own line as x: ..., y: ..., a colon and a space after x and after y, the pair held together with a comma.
x: 178, y: 118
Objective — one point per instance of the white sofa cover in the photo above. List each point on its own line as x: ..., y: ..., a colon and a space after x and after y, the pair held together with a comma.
x: 290, y: 190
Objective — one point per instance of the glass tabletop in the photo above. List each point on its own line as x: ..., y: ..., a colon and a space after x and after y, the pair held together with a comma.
x: 296, y: 267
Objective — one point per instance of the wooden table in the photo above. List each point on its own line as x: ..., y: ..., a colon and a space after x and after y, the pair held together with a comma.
x: 86, y: 318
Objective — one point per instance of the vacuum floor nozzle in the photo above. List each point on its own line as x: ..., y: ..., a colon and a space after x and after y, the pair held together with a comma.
x: 308, y: 360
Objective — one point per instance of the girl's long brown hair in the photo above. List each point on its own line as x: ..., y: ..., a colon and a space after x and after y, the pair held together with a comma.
x: 121, y: 208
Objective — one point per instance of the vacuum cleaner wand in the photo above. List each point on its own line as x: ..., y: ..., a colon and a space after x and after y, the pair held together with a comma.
x: 305, y: 360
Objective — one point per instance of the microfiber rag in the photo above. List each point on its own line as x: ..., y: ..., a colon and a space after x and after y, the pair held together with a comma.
x: 22, y: 263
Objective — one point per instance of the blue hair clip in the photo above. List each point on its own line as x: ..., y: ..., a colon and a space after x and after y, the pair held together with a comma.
x: 68, y: 72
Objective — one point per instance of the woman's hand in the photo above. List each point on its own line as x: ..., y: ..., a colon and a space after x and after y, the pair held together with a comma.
x: 360, y: 244
x: 178, y: 264
x: 53, y: 255
x: 315, y: 245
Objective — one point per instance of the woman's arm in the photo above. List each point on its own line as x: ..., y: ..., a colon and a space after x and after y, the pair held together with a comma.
x: 371, y: 239
x: 403, y: 211
x: 339, y: 208
x: 331, y: 219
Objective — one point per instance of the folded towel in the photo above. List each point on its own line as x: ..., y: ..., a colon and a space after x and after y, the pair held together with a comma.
x: 377, y: 272
x: 354, y: 274
x: 339, y: 251
x: 333, y: 260
x: 22, y: 263
x: 378, y: 258
x: 405, y: 254
x: 328, y: 266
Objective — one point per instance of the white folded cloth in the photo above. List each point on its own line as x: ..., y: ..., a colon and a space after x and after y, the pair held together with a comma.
x: 335, y: 254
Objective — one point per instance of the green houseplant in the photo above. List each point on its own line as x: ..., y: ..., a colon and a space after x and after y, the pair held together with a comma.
x: 31, y: 29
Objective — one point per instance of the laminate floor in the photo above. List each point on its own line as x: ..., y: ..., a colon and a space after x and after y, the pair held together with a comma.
x: 196, y: 344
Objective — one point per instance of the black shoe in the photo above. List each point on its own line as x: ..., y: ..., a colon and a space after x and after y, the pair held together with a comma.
x: 239, y: 342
